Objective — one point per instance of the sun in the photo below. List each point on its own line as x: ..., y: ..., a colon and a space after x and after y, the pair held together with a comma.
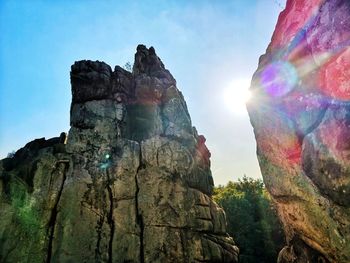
x: 236, y: 95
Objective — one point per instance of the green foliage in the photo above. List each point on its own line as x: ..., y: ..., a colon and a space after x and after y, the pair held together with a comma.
x: 11, y: 154
x: 251, y: 220
x: 25, y: 214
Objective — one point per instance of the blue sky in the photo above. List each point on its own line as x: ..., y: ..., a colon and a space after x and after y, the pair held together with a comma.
x: 205, y: 44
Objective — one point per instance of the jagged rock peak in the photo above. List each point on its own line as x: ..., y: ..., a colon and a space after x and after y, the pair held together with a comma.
x: 95, y: 80
x: 300, y: 112
x: 131, y: 184
x: 147, y: 61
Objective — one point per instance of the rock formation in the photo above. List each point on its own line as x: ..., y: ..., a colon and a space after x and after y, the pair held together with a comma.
x: 300, y: 112
x: 130, y: 183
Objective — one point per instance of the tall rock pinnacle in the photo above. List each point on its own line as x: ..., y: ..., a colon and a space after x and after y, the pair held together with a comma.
x: 131, y: 184
x: 301, y: 118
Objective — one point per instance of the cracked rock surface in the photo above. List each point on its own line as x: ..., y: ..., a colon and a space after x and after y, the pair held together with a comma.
x: 300, y: 112
x: 130, y: 183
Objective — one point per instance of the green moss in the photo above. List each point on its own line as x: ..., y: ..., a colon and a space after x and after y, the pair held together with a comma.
x: 26, y: 216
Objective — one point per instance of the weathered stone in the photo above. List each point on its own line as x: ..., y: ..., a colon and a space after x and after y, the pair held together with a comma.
x: 31, y: 190
x: 90, y: 80
x: 131, y: 184
x: 300, y: 115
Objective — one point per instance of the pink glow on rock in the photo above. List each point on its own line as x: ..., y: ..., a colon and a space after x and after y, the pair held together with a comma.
x: 303, y: 130
x: 286, y: 155
x: 306, y: 68
x: 335, y: 135
x: 334, y: 76
x: 279, y: 130
x: 286, y: 29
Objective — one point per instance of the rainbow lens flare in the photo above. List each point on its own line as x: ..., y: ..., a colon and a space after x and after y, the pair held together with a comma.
x: 278, y: 78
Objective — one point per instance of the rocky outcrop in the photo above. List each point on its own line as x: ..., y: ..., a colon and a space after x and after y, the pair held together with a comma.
x: 131, y: 184
x: 300, y: 112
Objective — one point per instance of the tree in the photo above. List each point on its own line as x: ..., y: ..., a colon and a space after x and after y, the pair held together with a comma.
x: 128, y: 66
x: 251, y: 220
x: 11, y: 154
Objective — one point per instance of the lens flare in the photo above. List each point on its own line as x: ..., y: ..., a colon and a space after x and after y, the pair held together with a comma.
x: 236, y: 95
x: 278, y: 78
x: 106, y: 162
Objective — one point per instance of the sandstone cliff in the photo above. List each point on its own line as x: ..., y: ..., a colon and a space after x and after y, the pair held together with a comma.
x: 132, y: 183
x: 301, y: 118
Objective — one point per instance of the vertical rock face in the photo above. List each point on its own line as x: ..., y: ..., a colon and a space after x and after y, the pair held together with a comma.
x: 131, y: 184
x: 301, y: 118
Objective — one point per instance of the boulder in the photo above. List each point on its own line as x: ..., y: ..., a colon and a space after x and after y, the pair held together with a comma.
x: 300, y: 112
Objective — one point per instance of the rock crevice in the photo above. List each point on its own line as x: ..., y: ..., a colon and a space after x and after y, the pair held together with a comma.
x: 54, y: 210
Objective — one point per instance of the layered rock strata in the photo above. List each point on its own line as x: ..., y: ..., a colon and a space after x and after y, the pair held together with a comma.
x: 300, y: 112
x: 131, y: 184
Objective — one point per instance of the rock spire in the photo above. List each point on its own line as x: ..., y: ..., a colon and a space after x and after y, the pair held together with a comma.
x: 131, y: 184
